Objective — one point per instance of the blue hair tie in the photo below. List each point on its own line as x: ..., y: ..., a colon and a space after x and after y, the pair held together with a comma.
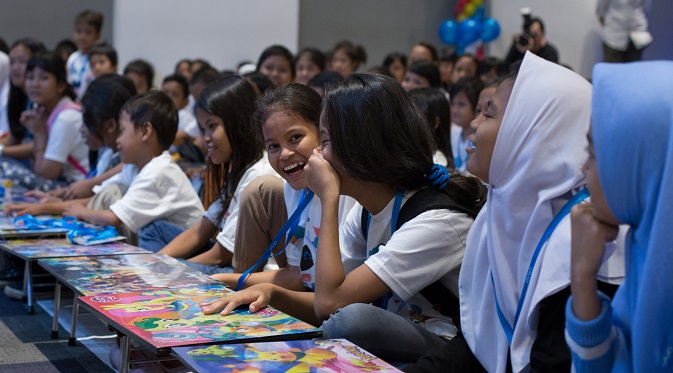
x: 438, y: 176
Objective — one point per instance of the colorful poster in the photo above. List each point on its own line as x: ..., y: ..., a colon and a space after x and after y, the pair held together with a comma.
x: 317, y: 355
x: 168, y: 318
x: 95, y: 275
x: 9, y: 230
x: 56, y: 248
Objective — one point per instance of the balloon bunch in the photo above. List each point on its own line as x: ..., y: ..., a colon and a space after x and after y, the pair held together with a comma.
x: 470, y: 27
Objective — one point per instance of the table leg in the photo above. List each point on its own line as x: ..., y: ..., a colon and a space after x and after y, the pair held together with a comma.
x: 124, y: 351
x: 28, y: 286
x: 72, y: 341
x: 57, y: 305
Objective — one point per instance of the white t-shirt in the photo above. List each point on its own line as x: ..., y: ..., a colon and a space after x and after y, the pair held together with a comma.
x: 4, y: 94
x: 428, y: 248
x: 301, y: 251
x: 79, y: 72
x: 227, y: 235
x: 160, y: 190
x: 65, y: 141
x: 187, y: 123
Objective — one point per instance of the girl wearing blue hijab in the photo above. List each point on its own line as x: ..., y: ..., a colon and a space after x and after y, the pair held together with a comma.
x: 630, y: 173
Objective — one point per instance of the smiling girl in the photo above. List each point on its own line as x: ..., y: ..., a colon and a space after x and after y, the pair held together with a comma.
x: 224, y: 112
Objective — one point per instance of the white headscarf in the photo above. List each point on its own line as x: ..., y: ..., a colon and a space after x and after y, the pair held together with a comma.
x: 536, y: 163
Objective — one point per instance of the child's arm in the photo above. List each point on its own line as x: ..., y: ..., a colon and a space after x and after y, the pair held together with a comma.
x: 218, y: 255
x: 189, y: 241
x: 296, y: 303
x: 55, y: 208
x: 19, y: 151
x: 288, y: 277
x: 100, y: 217
x: 84, y: 188
x: 333, y: 288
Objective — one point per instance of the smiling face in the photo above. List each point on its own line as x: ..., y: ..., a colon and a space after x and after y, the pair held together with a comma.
x: 306, y: 69
x: 601, y: 209
x: 85, y: 36
x: 43, y: 88
x: 130, y: 140
x: 289, y: 141
x: 215, y: 137
x: 278, y: 69
x: 465, y: 66
x: 486, y: 128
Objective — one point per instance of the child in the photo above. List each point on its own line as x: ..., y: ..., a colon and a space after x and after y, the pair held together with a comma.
x: 141, y: 74
x: 465, y: 67
x: 200, y: 79
x: 633, y: 333
x: 434, y: 103
x: 527, y: 148
x: 103, y: 60
x: 464, y: 97
x: 235, y: 156
x: 277, y: 63
x: 60, y: 155
x: 376, y: 147
x: 423, y: 51
x: 347, y: 57
x: 421, y: 74
x: 396, y: 63
x: 289, y: 118
x: 159, y: 189
x: 310, y: 62
x: 176, y: 87
x: 183, y: 67
x: 87, y: 32
x: 446, y: 62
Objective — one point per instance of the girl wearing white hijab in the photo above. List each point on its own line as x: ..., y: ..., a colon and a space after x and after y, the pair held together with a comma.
x: 629, y: 172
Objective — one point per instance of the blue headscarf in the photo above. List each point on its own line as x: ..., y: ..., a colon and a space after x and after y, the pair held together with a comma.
x: 632, y: 124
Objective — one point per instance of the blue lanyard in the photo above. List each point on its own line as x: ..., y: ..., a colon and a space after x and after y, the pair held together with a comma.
x: 458, y: 160
x: 399, y: 197
x: 29, y: 222
x: 290, y: 225
x: 507, y: 328
x: 82, y: 71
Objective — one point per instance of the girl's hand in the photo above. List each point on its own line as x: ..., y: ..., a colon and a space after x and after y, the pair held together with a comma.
x: 42, y: 197
x: 589, y: 237
x: 258, y: 296
x: 321, y: 177
x: 78, y: 189
x: 23, y: 209
x: 35, y: 120
x: 75, y: 210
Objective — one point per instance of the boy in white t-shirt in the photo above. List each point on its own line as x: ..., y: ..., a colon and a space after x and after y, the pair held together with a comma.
x: 87, y: 32
x: 157, y: 187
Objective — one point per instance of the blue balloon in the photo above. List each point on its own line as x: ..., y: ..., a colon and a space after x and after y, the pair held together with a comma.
x: 448, y: 31
x: 479, y: 13
x: 490, y: 30
x: 469, y: 31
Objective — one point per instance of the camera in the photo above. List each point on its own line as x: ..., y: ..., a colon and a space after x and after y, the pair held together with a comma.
x: 527, y: 20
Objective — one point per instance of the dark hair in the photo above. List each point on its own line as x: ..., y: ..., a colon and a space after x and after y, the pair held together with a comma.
x: 277, y: 50
x: 471, y: 87
x: 323, y: 78
x: 17, y: 101
x: 431, y: 48
x: 91, y: 18
x: 142, y: 68
x: 378, y: 135
x: 356, y: 53
x: 177, y: 65
x: 156, y: 108
x: 65, y: 47
x: 201, y: 61
x: 428, y: 70
x: 53, y: 64
x: 491, y: 63
x: 181, y: 80
x: 205, y: 75
x: 434, y: 103
x: 317, y: 57
x: 260, y: 82
x: 395, y: 56
x: 3, y: 46
x: 381, y: 70
x: 232, y: 99
x: 293, y: 99
x: 104, y: 99
x: 106, y: 50
x: 448, y: 55
x: 528, y: 23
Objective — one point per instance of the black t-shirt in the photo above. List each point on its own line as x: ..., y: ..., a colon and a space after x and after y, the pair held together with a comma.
x: 548, y: 52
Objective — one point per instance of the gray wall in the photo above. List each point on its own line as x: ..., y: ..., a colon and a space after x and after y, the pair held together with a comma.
x: 381, y: 26
x: 47, y: 20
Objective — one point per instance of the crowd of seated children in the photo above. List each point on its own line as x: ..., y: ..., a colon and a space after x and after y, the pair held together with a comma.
x: 394, y: 244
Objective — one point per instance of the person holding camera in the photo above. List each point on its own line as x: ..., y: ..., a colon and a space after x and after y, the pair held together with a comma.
x: 532, y: 39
